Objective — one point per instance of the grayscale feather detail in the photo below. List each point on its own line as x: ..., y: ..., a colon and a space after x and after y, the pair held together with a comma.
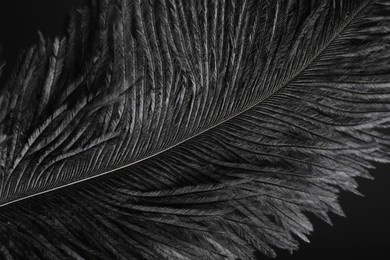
x: 175, y: 129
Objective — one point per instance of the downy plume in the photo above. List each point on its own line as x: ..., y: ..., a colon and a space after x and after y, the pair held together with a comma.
x: 177, y: 129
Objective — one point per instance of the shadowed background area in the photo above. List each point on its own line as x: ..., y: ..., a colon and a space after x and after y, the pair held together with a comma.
x: 365, y: 233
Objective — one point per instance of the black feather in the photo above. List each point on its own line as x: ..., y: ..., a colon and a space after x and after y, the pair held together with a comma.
x: 176, y: 129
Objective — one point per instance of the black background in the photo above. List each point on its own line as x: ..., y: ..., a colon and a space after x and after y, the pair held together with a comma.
x: 365, y: 233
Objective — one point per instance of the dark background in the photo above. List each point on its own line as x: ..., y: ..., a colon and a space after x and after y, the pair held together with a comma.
x: 365, y: 233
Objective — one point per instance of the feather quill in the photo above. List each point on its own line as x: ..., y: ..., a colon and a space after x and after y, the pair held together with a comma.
x: 175, y: 129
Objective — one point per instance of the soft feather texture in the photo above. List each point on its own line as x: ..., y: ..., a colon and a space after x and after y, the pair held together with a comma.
x: 175, y: 129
